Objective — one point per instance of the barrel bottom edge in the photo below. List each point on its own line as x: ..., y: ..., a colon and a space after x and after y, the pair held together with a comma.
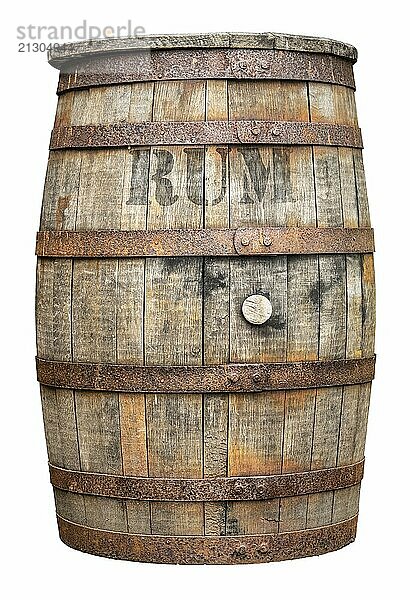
x: 211, y: 550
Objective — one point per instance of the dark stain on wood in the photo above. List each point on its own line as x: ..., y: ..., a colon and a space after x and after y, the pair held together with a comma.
x: 62, y: 205
x: 314, y: 294
x: 214, y: 280
x: 277, y: 321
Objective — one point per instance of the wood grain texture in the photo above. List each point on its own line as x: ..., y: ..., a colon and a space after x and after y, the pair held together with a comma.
x: 268, y: 100
x: 53, y: 309
x: 302, y: 325
x: 336, y: 206
x: 256, y: 421
x: 297, y: 446
x: 332, y: 104
x: 60, y: 196
x: 70, y: 506
x: 324, y: 451
x: 179, y: 101
x: 173, y: 320
x: 216, y: 310
x: 361, y: 191
x: 94, y: 286
x: 255, y: 434
x: 332, y: 343
x: 97, y: 413
x: 60, y: 427
x: 352, y: 436
x: 130, y: 311
x: 368, y: 305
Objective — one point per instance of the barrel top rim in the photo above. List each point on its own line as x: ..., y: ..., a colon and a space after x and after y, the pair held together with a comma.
x: 59, y: 56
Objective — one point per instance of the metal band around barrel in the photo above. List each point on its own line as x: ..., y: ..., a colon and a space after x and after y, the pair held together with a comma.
x: 206, y: 490
x: 153, y: 133
x: 206, y: 63
x: 205, y: 242
x: 205, y: 379
x: 193, y: 549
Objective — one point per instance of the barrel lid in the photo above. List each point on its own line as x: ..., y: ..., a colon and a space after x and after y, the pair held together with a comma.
x: 60, y: 55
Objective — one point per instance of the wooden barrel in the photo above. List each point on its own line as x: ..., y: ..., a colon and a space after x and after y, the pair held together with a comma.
x: 205, y: 298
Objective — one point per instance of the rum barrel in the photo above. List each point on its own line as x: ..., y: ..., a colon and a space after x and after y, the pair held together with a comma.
x: 205, y: 298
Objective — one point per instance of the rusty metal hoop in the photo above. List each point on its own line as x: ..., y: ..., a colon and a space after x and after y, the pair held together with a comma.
x: 205, y: 242
x: 163, y: 133
x: 205, y: 379
x: 194, y: 549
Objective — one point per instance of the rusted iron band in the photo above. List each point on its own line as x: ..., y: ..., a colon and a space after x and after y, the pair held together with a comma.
x: 205, y: 379
x: 192, y: 549
x: 210, y: 63
x: 153, y: 133
x: 206, y: 490
x: 205, y: 242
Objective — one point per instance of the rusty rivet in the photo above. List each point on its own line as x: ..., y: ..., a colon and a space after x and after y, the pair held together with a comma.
x: 275, y: 131
x: 257, y: 377
x: 260, y: 488
x: 263, y: 549
x: 245, y: 241
x: 234, y: 377
x: 239, y: 485
x: 256, y: 130
x: 241, y: 551
x: 267, y: 241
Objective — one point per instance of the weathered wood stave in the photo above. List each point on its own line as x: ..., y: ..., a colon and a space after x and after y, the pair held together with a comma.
x: 186, y: 310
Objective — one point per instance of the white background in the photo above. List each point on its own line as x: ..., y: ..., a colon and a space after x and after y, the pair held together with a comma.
x: 39, y: 565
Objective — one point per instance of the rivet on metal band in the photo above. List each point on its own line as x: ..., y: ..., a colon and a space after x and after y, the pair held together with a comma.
x: 205, y: 379
x: 193, y: 549
x: 206, y: 63
x: 264, y: 487
x: 205, y: 242
x: 153, y: 133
